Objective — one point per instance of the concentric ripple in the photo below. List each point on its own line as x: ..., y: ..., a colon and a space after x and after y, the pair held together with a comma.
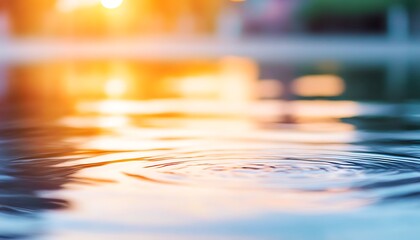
x: 286, y: 170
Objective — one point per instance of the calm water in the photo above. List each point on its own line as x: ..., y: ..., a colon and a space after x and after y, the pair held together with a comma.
x: 96, y: 176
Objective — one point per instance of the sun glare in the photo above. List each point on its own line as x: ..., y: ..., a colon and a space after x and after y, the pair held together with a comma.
x: 111, y: 4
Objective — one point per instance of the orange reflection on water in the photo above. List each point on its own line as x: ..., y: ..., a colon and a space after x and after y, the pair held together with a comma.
x: 239, y: 76
x: 197, y: 86
x: 111, y: 121
x: 148, y: 197
x: 225, y: 88
x: 115, y: 88
x: 319, y: 86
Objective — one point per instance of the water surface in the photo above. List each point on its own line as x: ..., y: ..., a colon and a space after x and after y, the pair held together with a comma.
x: 81, y: 176
x: 129, y: 150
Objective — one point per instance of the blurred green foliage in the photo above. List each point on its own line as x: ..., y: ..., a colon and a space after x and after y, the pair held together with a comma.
x: 353, y: 7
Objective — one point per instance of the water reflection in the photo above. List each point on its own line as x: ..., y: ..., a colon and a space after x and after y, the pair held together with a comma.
x: 319, y: 85
x: 119, y: 167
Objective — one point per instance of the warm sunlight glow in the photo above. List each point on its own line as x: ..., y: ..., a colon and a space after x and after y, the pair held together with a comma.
x: 115, y: 88
x: 71, y: 5
x: 319, y: 86
x: 239, y: 77
x: 198, y: 86
x: 113, y: 122
x: 111, y: 4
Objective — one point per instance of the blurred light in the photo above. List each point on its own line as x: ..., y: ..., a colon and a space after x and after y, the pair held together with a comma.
x: 198, y: 86
x: 115, y: 88
x: 319, y: 86
x: 151, y: 107
x: 71, y: 5
x: 111, y: 4
x: 113, y: 122
x: 113, y: 107
x: 239, y: 76
x: 106, y: 121
x: 270, y: 88
x: 324, y: 127
x: 325, y: 109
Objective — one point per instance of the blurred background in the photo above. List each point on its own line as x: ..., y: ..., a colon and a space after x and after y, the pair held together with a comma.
x: 235, y: 51
x: 397, y: 20
x: 136, y: 117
